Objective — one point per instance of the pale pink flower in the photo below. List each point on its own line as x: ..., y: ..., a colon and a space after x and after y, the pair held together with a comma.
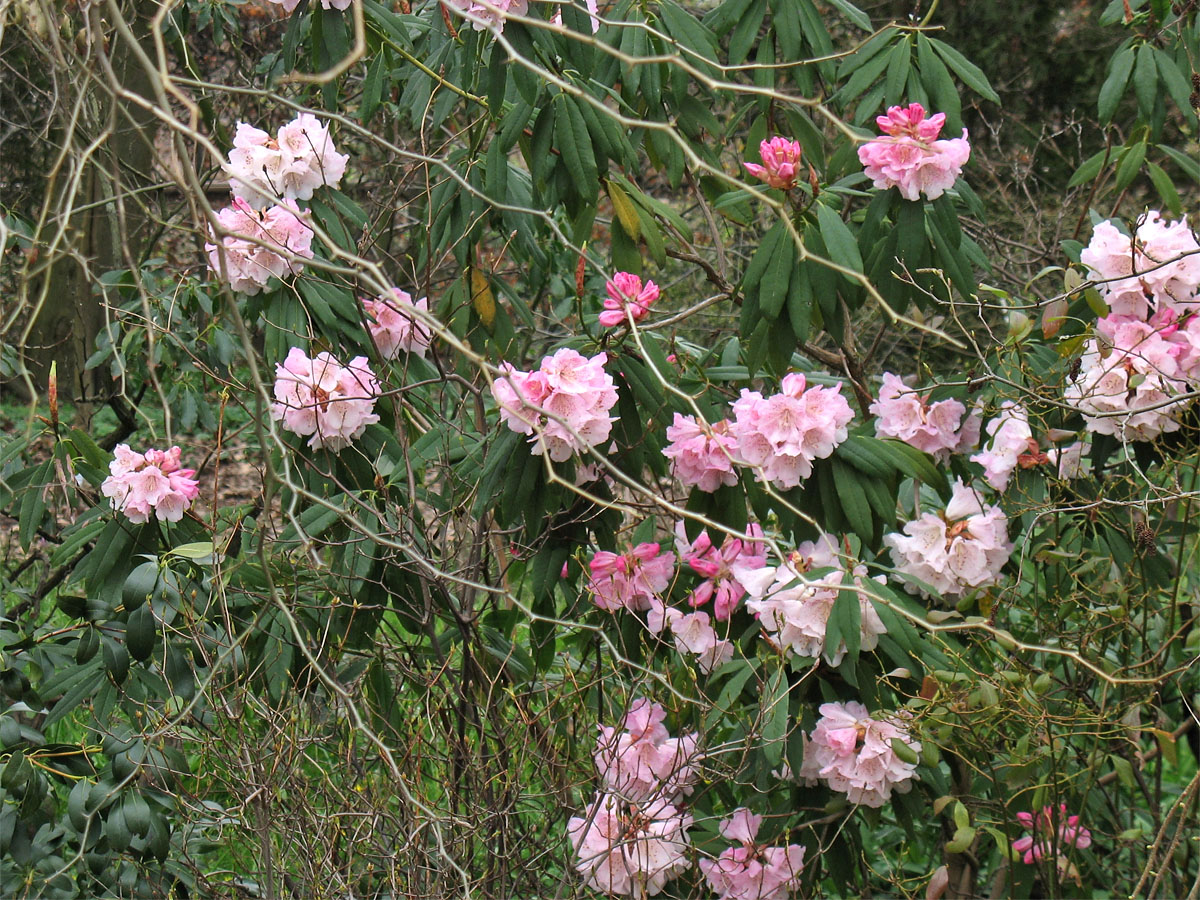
x: 751, y: 871
x: 301, y: 158
x: 961, y: 550
x: 781, y: 435
x: 140, y: 485
x: 627, y: 299
x: 394, y: 328
x: 256, y: 245
x: 793, y: 606
x: 1156, y: 269
x: 694, y: 635
x: 906, y: 415
x: 564, y: 404
x: 488, y: 15
x: 1109, y: 258
x: 632, y: 580
x: 322, y: 398
x: 910, y: 157
x: 628, y: 848
x: 854, y: 755
x: 1068, y: 461
x: 1053, y: 832
x: 1011, y: 438
x: 701, y: 455
x: 643, y: 762
x: 781, y: 163
x: 1128, y: 375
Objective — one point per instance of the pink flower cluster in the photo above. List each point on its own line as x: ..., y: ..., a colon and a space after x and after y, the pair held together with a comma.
x: 1012, y: 444
x: 1147, y: 350
x: 911, y: 157
x: 643, y: 762
x: 1053, y: 831
x: 394, y: 328
x: 781, y: 163
x: 630, y: 580
x: 564, y: 403
x: 960, y: 550
x: 633, y: 839
x: 1130, y: 372
x: 856, y: 755
x: 1157, y: 269
x: 323, y: 398
x: 255, y: 245
x: 152, y: 482
x: 782, y: 434
x: 794, y: 608
x: 935, y: 428
x: 719, y: 567
x: 694, y: 635
x: 290, y: 166
x: 748, y: 870
x: 628, y: 848
x: 627, y: 299
x: 488, y: 15
x: 701, y: 455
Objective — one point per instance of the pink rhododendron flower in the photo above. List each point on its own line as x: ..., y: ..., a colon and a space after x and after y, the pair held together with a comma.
x: 1068, y: 461
x: 563, y: 404
x: 252, y: 250
x: 299, y: 159
x: 957, y: 551
x: 393, y: 328
x: 140, y: 484
x: 906, y: 415
x: 631, y: 580
x: 853, y: 753
x: 488, y: 15
x: 701, y: 455
x: 627, y: 296
x: 694, y: 635
x: 750, y: 871
x: 911, y: 157
x: 1053, y: 831
x: 1156, y: 269
x: 643, y: 762
x: 781, y: 163
x: 782, y: 434
x: 719, y: 568
x: 793, y: 607
x: 322, y: 398
x: 628, y: 848
x: 1129, y: 373
x: 1011, y: 438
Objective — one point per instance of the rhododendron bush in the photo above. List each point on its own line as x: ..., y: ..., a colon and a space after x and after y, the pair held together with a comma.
x: 612, y: 449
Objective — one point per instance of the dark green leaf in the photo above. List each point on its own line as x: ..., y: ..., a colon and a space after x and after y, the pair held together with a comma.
x: 970, y: 73
x: 1114, y: 85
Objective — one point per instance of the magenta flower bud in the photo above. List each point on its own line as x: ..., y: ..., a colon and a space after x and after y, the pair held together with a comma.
x: 781, y: 163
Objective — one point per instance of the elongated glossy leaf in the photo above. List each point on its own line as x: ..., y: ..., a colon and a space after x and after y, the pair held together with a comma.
x: 855, y: 506
x: 970, y: 73
x: 843, y: 248
x: 775, y: 716
x: 1114, y: 85
x: 1145, y: 80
